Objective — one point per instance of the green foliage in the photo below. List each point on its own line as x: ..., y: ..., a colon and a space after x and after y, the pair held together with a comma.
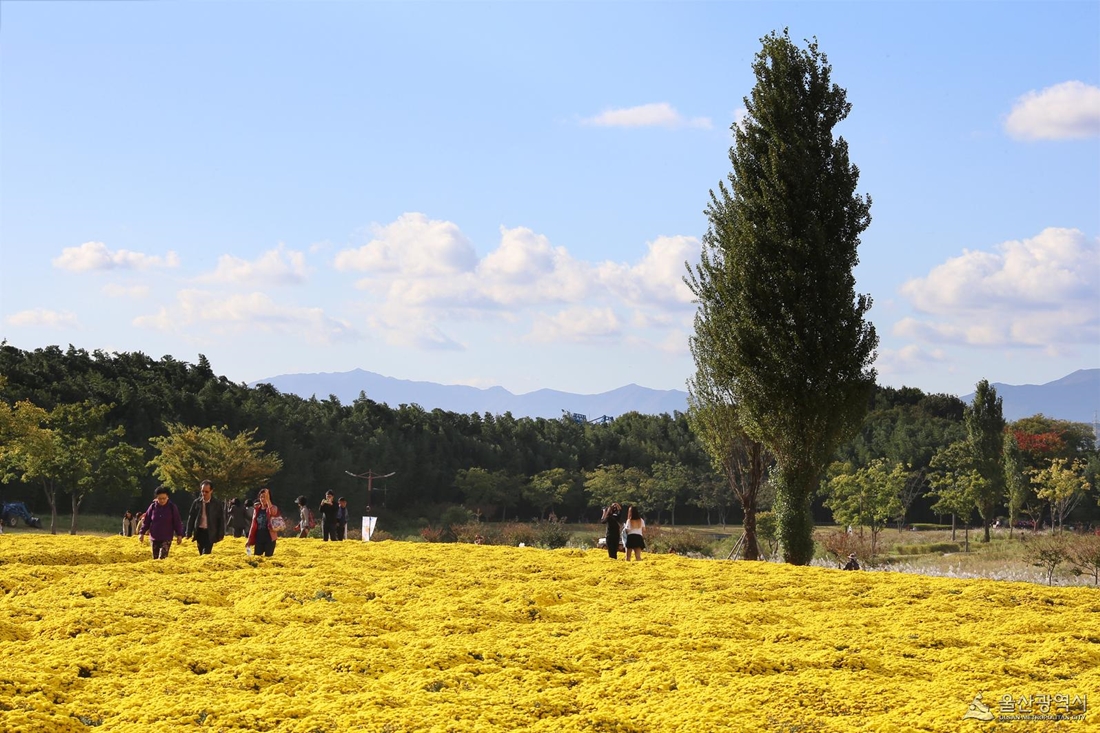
x: 237, y: 465
x: 668, y: 482
x: 552, y: 535
x: 924, y: 549
x: 985, y: 426
x: 77, y: 453
x: 615, y: 483
x: 784, y: 329
x: 1062, y: 484
x: 766, y: 530
x: 1016, y: 483
x: 866, y: 497
x: 549, y: 488
x: 715, y: 418
x: 954, y: 480
x: 662, y: 540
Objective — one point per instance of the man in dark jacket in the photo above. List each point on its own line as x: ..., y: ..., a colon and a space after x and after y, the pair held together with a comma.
x: 206, y: 520
x: 161, y: 523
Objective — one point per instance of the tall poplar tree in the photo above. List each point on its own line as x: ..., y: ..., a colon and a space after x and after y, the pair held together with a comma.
x: 776, y: 293
x: 985, y: 427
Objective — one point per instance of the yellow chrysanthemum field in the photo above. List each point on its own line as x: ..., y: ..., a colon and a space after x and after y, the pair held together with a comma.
x: 401, y: 636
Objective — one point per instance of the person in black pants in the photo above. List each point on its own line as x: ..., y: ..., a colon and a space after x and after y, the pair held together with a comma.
x: 328, y: 510
x: 206, y: 520
x: 613, y: 518
x: 342, y: 519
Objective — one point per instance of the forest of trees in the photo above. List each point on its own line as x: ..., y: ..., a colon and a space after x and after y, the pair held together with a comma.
x: 117, y: 410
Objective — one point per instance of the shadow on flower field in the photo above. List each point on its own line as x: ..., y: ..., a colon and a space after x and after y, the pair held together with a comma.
x: 400, y: 636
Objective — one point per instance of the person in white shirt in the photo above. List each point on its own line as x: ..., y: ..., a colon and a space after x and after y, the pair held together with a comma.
x: 635, y: 530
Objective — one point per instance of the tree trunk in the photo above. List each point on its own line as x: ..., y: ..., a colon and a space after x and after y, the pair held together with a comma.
x: 750, y: 548
x: 952, y: 527
x: 673, y: 520
x: 51, y: 497
x: 76, y: 510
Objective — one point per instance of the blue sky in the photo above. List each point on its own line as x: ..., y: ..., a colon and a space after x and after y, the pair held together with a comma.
x: 505, y: 194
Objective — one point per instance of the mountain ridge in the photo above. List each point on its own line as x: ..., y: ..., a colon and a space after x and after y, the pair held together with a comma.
x: 1074, y: 397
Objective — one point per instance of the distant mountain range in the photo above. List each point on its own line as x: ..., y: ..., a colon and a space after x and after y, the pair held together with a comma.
x: 1074, y: 397
x: 459, y: 398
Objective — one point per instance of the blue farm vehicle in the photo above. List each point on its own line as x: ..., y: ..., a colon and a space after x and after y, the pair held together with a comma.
x: 16, y: 511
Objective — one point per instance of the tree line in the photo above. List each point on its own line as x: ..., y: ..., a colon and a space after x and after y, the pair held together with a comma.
x: 103, y: 430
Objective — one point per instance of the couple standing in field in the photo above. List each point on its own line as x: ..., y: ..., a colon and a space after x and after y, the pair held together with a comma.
x: 206, y: 523
x: 631, y: 525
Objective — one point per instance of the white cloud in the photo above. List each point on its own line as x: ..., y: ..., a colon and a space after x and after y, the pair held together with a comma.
x: 114, y: 290
x: 658, y: 277
x: 577, y: 325
x: 413, y: 245
x: 1064, y: 111
x: 96, y: 256
x: 42, y: 318
x: 1038, y: 292
x: 525, y: 280
x: 279, y: 266
x: 659, y: 114
x: 420, y: 335
x: 909, y: 359
x: 246, y: 313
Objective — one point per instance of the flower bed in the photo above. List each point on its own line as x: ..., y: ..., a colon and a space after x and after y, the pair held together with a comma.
x: 403, y: 636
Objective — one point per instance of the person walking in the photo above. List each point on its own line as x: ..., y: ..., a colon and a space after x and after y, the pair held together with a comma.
x: 161, y: 522
x: 238, y: 520
x: 266, y: 522
x: 206, y: 520
x: 635, y: 534
x: 328, y: 510
x: 612, y: 517
x: 305, y: 517
x: 128, y: 522
x: 342, y: 519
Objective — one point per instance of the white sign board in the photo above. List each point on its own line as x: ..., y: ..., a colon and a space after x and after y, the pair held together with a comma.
x: 368, y: 527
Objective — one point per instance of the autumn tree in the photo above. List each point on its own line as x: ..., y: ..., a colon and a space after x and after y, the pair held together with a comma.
x: 1061, y: 484
x: 775, y: 286
x: 236, y: 464
x: 866, y: 497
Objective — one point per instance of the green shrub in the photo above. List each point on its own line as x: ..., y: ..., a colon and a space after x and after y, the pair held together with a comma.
x: 552, y: 535
x: 453, y: 515
x: 682, y: 541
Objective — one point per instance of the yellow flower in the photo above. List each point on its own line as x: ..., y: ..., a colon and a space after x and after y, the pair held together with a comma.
x: 400, y: 637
